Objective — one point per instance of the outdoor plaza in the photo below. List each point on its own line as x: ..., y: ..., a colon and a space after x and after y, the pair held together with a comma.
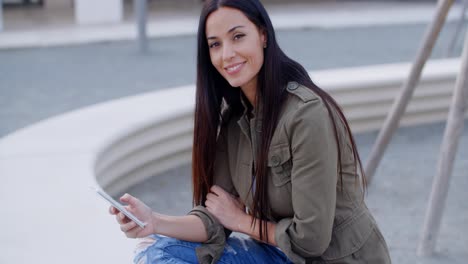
x: 82, y: 106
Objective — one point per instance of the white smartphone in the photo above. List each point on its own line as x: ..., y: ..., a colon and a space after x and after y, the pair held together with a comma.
x: 119, y: 207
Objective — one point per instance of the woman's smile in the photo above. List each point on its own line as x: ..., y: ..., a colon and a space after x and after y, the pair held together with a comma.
x: 234, y: 68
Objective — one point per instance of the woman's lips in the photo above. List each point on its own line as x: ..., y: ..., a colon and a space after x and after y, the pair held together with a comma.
x: 234, y: 68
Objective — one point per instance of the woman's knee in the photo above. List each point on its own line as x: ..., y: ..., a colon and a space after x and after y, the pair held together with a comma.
x: 161, y: 249
x: 143, y: 244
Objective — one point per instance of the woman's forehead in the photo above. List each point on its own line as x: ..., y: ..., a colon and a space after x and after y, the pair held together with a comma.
x: 223, y: 20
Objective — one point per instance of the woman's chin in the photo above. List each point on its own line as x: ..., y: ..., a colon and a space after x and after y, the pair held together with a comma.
x: 235, y: 84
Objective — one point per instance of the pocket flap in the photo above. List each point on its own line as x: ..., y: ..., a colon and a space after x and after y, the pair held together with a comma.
x: 278, y: 155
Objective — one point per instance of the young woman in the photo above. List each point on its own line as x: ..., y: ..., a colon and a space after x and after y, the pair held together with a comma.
x: 273, y: 158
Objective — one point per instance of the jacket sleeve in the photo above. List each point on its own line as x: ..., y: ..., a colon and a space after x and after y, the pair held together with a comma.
x: 313, y: 179
x: 212, y: 249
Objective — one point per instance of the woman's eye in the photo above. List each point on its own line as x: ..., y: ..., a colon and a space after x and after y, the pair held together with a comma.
x: 238, y: 36
x: 214, y: 44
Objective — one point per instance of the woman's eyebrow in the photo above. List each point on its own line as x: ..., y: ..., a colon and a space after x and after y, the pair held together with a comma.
x: 234, y: 28
x: 229, y: 31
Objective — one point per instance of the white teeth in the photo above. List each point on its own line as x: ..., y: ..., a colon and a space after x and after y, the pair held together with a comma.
x: 234, y: 68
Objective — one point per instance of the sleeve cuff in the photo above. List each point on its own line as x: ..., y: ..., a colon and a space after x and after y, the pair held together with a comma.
x: 210, y: 251
x: 284, y: 242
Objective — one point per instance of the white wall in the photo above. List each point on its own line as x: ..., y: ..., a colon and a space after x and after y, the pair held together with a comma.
x: 95, y: 12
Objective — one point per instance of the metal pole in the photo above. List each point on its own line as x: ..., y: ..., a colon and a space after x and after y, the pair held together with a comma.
x: 141, y: 16
x: 1, y: 15
x: 448, y: 150
x: 458, y: 29
x: 399, y: 105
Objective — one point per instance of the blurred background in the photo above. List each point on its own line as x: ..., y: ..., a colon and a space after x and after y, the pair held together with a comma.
x: 58, y: 56
x: 47, y: 81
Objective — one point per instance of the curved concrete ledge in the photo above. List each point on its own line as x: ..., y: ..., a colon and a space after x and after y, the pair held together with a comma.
x: 46, y: 168
x: 365, y: 93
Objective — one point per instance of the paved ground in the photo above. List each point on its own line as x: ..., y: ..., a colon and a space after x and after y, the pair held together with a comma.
x: 43, y: 82
x: 397, y: 197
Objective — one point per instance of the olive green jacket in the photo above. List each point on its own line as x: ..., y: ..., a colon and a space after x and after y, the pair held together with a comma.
x: 317, y: 220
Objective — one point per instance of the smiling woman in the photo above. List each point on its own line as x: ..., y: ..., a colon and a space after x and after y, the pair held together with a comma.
x: 236, y: 48
x: 273, y: 158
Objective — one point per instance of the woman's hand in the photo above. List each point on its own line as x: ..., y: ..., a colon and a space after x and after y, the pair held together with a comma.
x: 227, y: 208
x: 141, y: 211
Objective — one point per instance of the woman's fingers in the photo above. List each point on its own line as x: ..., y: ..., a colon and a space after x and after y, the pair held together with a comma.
x: 217, y: 190
x: 113, y: 210
x: 128, y: 226
x: 122, y: 219
x: 208, y: 204
x: 211, y: 197
x: 140, y: 210
x: 119, y: 216
x: 212, y: 200
x: 130, y: 200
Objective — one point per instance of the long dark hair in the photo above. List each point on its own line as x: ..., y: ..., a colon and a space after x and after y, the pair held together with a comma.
x: 213, y: 91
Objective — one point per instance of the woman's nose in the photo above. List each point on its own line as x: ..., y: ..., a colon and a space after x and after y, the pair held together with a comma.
x: 228, y: 52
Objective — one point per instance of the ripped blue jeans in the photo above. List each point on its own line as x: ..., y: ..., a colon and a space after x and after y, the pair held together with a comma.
x: 165, y: 250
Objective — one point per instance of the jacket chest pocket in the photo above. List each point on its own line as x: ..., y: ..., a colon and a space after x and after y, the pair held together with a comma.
x: 280, y: 164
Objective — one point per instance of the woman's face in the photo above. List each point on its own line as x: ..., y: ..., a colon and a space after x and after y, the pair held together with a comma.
x: 236, y: 47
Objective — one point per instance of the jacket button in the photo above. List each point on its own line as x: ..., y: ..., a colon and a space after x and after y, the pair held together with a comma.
x: 275, y: 160
x: 292, y: 86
